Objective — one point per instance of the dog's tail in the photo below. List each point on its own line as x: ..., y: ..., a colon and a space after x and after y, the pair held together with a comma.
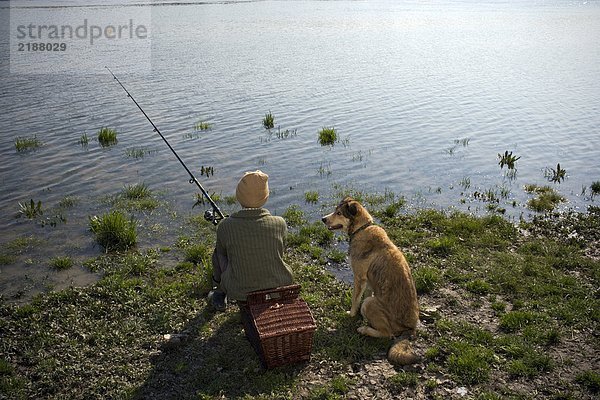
x: 402, y: 353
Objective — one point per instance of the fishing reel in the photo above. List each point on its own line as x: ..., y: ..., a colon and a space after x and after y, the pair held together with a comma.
x: 209, y: 215
x: 212, y: 216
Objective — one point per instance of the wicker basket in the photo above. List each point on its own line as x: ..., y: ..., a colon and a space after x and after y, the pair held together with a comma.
x: 279, y: 325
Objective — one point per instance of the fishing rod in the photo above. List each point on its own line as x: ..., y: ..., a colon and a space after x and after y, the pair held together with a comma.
x: 215, y: 215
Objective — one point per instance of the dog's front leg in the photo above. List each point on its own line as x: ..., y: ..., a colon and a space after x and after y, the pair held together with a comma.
x: 359, y: 288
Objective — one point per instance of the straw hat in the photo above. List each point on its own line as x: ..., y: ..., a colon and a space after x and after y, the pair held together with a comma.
x: 253, y: 189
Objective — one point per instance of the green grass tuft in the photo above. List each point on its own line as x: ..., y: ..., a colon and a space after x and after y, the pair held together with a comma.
x: 442, y: 246
x: 530, y: 365
x: 114, y: 231
x: 328, y: 136
x: 137, y: 197
x: 107, y: 137
x: 514, y: 321
x: 391, y: 210
x: 84, y: 140
x: 547, y: 198
x: 61, y: 263
x: 7, y: 259
x: 337, y: 256
x: 589, y: 380
x: 138, y: 152
x: 202, y: 126
x: 311, y: 196
x: 336, y: 389
x: 595, y: 188
x: 269, y: 121
x: 402, y: 380
x: 27, y: 143
x: 470, y: 364
x: 294, y: 216
x: 478, y: 286
x: 427, y: 279
x: 68, y: 201
x: 198, y: 253
x: 137, y: 191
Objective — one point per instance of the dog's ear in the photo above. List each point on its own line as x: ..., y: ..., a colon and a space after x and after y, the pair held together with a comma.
x: 353, y: 208
x: 349, y: 208
x: 347, y: 199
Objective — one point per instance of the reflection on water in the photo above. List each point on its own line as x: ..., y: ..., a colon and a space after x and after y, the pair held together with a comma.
x: 424, y: 97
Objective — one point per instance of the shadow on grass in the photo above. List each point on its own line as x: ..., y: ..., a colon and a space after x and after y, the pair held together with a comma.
x: 213, y: 362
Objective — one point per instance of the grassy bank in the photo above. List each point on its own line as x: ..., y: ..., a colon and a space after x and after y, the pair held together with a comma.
x: 510, y: 312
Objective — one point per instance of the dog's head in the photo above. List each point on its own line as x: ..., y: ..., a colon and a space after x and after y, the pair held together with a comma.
x: 347, y: 214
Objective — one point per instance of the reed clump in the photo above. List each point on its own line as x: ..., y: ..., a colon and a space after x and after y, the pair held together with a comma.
x: 27, y: 143
x: 202, y: 126
x: 269, y: 121
x: 107, y: 137
x: 328, y: 136
x: 84, y: 140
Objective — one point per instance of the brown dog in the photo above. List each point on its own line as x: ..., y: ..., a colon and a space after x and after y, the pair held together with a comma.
x: 392, y: 309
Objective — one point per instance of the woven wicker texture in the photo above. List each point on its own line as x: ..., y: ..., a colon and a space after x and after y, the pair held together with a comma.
x: 279, y: 325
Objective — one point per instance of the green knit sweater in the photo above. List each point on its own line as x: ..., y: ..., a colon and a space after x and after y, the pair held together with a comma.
x: 252, y: 242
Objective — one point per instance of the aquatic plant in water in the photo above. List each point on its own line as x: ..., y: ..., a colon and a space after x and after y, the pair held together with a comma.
x: 135, y: 152
x: 202, y: 126
x: 285, y: 134
x: 311, y: 196
x: 507, y: 159
x: 84, y: 140
x: 328, y: 136
x: 61, y: 263
x: 464, y: 142
x: 465, y: 182
x: 595, y: 188
x: 269, y: 121
x: 114, y: 231
x: 137, y: 191
x: 23, y: 143
x: 324, y: 170
x: 30, y: 209
x: 555, y: 175
x: 208, y: 171
x: 202, y: 200
x: 107, y: 137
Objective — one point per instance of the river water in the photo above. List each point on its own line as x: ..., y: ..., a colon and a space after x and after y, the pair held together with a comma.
x: 423, y: 95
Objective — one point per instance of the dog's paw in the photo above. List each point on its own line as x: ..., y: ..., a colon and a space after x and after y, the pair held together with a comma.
x: 351, y: 313
x: 363, y: 330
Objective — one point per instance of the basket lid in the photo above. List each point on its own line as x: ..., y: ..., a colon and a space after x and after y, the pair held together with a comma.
x: 280, y: 318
